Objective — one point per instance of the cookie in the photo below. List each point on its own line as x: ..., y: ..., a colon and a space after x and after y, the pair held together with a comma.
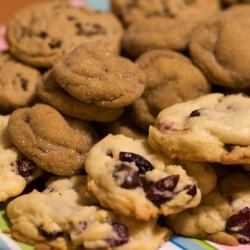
x: 41, y: 33
x: 56, y: 144
x: 223, y: 216
x: 17, y: 83
x: 98, y: 77
x: 179, y: 19
x: 16, y: 171
x: 170, y: 78
x: 212, y: 128
x: 219, y: 48
x: 51, y: 93
x: 58, y: 218
x: 128, y: 177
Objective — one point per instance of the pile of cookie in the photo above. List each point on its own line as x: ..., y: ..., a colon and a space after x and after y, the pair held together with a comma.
x: 119, y: 130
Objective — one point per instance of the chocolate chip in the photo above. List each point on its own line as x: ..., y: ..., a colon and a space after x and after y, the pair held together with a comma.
x: 162, y: 190
x: 55, y: 44
x: 143, y: 164
x: 95, y: 29
x: 80, y: 29
x: 131, y: 177
x: 195, y: 113
x: 162, y: 221
x: 110, y: 153
x: 50, y: 235
x: 24, y: 83
x: 192, y: 190
x: 43, y: 34
x: 122, y: 235
x: 71, y: 18
x: 229, y: 147
x: 25, y: 167
x: 239, y: 225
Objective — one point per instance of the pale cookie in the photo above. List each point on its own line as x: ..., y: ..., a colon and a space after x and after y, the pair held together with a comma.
x: 55, y: 144
x: 41, y: 33
x: 170, y: 30
x: 18, y: 83
x: 128, y: 177
x: 219, y: 48
x: 170, y: 78
x: 59, y: 218
x: 51, y: 93
x: 223, y: 216
x: 212, y: 128
x: 16, y: 171
x: 98, y: 77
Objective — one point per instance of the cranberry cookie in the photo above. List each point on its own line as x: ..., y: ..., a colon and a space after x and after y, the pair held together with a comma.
x: 54, y: 143
x: 223, y: 216
x: 212, y: 128
x: 128, y: 177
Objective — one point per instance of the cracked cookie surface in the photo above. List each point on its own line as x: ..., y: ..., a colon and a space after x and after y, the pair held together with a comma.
x: 61, y: 218
x: 219, y: 48
x: 43, y: 32
x: 54, y: 143
x: 170, y: 78
x: 223, y: 216
x: 99, y: 77
x: 212, y: 128
x: 128, y: 177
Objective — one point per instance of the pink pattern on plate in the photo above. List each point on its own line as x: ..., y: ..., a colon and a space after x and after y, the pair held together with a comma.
x: 77, y: 3
x: 223, y: 247
x: 3, y: 43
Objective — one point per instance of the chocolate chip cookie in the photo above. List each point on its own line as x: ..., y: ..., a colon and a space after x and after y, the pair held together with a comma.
x: 54, y: 143
x: 98, y: 77
x: 170, y: 78
x: 219, y: 48
x: 223, y: 216
x: 16, y: 171
x: 18, y: 83
x: 43, y: 32
x: 51, y: 93
x: 212, y: 128
x: 170, y: 29
x: 59, y: 218
x: 128, y: 177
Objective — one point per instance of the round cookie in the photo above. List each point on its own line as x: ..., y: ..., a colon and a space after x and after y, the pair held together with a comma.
x: 170, y: 30
x: 170, y: 78
x: 212, y: 128
x: 43, y: 32
x: 223, y: 216
x: 16, y: 171
x: 17, y: 83
x: 96, y: 76
x: 59, y: 218
x: 219, y: 48
x: 55, y: 144
x: 128, y: 177
x: 51, y: 93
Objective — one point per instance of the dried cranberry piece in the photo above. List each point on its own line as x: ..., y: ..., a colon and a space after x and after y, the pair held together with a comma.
x: 162, y: 190
x: 50, y: 235
x: 143, y: 164
x: 131, y: 177
x: 195, y: 113
x: 192, y: 190
x: 25, y: 167
x: 240, y: 224
x: 122, y: 235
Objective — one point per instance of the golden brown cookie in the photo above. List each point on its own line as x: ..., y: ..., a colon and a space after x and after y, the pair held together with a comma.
x: 98, y: 77
x: 170, y: 78
x: 171, y: 30
x: 55, y: 144
x: 51, y: 93
x: 220, y: 47
x: 42, y: 32
x: 18, y: 83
